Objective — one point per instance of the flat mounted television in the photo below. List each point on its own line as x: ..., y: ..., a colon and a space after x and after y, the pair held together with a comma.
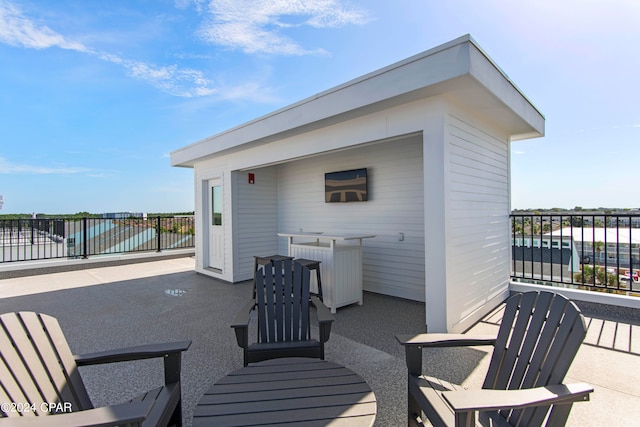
x: 346, y: 186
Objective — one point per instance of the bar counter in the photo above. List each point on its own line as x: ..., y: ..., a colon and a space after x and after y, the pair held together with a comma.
x: 340, y: 257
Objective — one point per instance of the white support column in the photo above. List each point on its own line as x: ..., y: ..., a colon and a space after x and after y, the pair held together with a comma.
x: 435, y: 209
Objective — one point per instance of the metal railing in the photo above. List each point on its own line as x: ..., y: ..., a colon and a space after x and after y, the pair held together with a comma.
x: 50, y: 238
x: 595, y: 251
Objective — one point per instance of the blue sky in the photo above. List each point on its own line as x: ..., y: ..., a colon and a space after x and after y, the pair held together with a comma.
x: 95, y: 94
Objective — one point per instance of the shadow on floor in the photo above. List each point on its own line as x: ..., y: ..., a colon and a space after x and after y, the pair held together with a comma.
x: 179, y: 306
x: 187, y: 305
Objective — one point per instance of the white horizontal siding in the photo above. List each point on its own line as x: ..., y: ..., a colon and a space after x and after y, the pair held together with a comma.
x: 396, y: 204
x: 478, y: 219
x: 256, y: 222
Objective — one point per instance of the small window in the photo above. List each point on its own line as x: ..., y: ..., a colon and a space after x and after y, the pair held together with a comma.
x: 216, y: 205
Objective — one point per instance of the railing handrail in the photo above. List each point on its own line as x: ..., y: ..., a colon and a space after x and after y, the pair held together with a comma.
x: 537, y: 238
x: 41, y: 238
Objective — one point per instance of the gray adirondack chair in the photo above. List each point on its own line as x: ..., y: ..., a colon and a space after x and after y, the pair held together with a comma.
x: 282, y: 304
x: 39, y: 376
x: 539, y: 336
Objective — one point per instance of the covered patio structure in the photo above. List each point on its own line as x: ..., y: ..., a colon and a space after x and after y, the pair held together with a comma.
x: 432, y: 131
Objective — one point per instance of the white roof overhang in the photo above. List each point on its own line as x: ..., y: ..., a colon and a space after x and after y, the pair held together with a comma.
x: 459, y: 69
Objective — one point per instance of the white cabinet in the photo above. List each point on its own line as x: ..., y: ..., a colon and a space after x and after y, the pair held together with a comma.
x: 340, y: 259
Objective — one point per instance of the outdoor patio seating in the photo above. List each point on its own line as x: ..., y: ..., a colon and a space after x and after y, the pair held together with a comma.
x: 288, y: 392
x: 539, y: 336
x: 262, y: 262
x: 283, y: 303
x: 39, y: 376
x: 314, y: 266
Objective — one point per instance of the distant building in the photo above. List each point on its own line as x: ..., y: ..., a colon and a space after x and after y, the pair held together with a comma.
x: 545, y: 255
x: 617, y: 245
x: 610, y: 246
x: 123, y: 215
x: 1, y: 201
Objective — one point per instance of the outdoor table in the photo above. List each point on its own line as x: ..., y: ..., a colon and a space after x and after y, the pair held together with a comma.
x: 280, y: 391
x: 340, y: 257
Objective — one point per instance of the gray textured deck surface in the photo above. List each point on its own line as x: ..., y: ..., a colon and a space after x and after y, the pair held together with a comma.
x: 110, y: 307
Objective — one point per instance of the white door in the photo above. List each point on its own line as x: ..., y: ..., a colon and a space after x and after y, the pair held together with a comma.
x: 216, y: 230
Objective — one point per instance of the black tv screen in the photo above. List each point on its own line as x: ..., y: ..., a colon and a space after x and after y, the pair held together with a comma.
x: 346, y: 186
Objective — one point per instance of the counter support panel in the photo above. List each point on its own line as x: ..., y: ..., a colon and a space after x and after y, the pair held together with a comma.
x: 340, y: 259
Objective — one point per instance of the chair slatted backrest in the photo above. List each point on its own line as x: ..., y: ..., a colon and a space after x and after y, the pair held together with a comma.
x: 282, y: 299
x: 37, y: 366
x: 539, y: 336
x: 260, y: 264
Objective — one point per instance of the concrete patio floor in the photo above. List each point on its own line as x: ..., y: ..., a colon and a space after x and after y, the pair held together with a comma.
x: 156, y: 301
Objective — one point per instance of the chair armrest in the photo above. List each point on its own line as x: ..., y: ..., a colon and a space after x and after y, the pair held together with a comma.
x: 244, y: 315
x: 413, y: 345
x: 115, y: 415
x: 140, y: 352
x: 241, y: 324
x: 325, y: 318
x: 493, y: 400
x: 322, y: 311
x: 171, y: 354
x: 445, y: 340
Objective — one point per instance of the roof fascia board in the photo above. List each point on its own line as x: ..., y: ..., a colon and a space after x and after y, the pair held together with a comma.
x: 502, y: 87
x: 435, y: 65
x: 422, y: 75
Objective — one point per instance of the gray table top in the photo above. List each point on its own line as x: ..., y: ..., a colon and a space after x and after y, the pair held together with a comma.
x: 310, y: 391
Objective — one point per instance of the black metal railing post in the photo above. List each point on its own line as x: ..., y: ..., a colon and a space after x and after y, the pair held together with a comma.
x: 601, y: 255
x: 158, y: 238
x: 26, y: 239
x: 85, y: 237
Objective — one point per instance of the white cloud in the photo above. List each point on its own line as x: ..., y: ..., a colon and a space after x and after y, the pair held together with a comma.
x: 18, y: 30
x: 249, y: 25
x: 9, y: 168
x: 171, y: 79
x: 250, y: 90
x: 256, y: 26
x: 182, y: 4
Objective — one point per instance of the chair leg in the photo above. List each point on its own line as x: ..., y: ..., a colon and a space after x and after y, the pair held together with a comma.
x: 319, y: 284
x: 414, y: 413
x: 559, y: 415
x: 255, y: 271
x: 176, y: 417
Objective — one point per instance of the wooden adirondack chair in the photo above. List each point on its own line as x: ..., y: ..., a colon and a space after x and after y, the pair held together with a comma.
x: 539, y: 336
x: 282, y: 303
x: 39, y: 376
